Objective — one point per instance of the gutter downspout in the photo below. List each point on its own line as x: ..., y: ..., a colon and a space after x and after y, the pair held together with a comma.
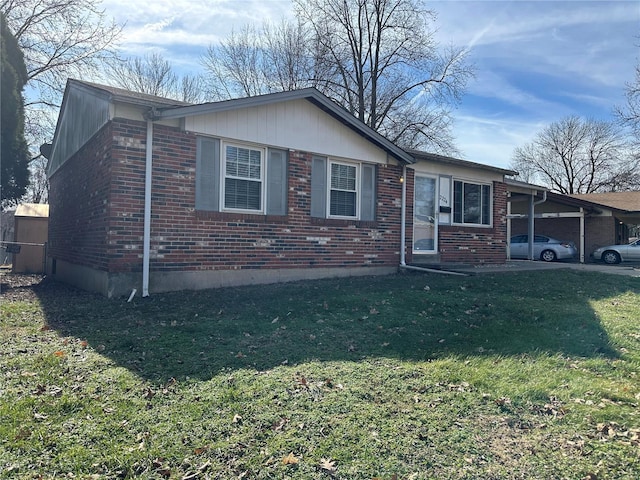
x: 146, y: 242
x: 532, y: 212
x: 403, y: 217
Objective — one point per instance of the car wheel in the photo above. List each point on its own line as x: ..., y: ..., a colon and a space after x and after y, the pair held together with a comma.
x: 548, y: 255
x: 611, y: 257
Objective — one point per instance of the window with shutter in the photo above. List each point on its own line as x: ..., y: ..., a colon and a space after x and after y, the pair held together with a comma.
x: 237, y: 177
x: 342, y: 189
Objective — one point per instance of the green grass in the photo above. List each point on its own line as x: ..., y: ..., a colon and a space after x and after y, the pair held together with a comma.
x: 525, y: 375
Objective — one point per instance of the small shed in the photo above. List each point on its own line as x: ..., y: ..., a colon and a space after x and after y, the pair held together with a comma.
x: 31, y: 231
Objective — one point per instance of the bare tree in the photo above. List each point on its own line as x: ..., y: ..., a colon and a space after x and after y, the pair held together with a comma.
x: 386, y: 63
x: 253, y: 62
x: 59, y: 39
x: 629, y: 114
x: 154, y: 75
x: 377, y: 58
x: 578, y: 156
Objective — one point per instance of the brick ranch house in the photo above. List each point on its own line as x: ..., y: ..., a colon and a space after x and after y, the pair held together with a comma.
x: 157, y: 195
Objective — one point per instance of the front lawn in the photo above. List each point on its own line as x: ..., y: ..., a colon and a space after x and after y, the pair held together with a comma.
x: 528, y: 375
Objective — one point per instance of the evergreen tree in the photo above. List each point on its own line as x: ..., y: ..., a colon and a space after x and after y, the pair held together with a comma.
x: 14, y: 153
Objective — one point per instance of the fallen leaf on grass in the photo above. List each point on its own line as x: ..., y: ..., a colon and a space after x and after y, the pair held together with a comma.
x: 40, y: 390
x: 160, y: 468
x: 328, y: 464
x: 59, y: 354
x: 194, y: 475
x: 290, y: 459
x: 279, y: 425
x: 171, y: 382
x: 23, y: 434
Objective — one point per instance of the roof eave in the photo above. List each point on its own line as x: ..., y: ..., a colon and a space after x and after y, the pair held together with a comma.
x: 432, y: 157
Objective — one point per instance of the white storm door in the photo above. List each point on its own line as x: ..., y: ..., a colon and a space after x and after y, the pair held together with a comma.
x: 424, y: 215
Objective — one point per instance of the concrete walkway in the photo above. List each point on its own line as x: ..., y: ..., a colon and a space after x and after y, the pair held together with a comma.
x: 629, y: 269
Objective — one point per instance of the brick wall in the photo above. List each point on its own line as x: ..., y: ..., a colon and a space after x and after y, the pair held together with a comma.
x: 98, y: 214
x: 477, y: 245
x: 79, y: 205
x: 186, y: 239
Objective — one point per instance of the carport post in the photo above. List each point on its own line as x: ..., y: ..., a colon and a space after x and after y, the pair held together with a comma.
x: 531, y: 229
x: 581, y: 235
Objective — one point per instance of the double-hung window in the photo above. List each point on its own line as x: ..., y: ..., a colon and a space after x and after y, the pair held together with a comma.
x: 342, y: 189
x: 343, y: 192
x: 237, y: 177
x: 471, y: 203
x: 243, y: 178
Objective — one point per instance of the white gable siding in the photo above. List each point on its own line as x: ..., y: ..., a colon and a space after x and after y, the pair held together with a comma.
x: 295, y: 124
x: 82, y: 115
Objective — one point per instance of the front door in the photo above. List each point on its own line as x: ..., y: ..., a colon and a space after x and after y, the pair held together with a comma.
x: 424, y: 215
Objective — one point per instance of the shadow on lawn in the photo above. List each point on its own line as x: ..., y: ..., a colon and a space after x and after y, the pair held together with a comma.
x: 411, y: 317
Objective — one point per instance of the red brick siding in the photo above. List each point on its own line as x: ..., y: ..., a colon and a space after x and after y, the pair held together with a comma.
x: 126, y: 220
x: 478, y: 245
x: 99, y: 221
x: 79, y: 207
x: 186, y: 239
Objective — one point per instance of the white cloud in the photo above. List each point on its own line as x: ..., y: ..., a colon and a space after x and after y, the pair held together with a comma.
x: 492, y: 140
x: 184, y: 22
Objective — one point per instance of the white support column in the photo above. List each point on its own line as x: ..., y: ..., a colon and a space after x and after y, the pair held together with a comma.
x: 531, y: 229
x: 581, y: 235
x: 508, y: 230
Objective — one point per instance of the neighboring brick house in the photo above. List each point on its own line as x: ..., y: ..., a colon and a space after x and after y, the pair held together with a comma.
x: 158, y: 195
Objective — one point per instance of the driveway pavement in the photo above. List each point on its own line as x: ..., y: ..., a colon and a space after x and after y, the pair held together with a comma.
x: 629, y: 269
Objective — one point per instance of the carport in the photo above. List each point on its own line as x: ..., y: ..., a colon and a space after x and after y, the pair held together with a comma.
x: 533, y: 209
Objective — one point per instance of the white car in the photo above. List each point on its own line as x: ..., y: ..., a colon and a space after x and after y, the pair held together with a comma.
x: 618, y: 253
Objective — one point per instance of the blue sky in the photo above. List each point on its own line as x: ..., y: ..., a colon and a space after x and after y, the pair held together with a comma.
x: 535, y: 61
